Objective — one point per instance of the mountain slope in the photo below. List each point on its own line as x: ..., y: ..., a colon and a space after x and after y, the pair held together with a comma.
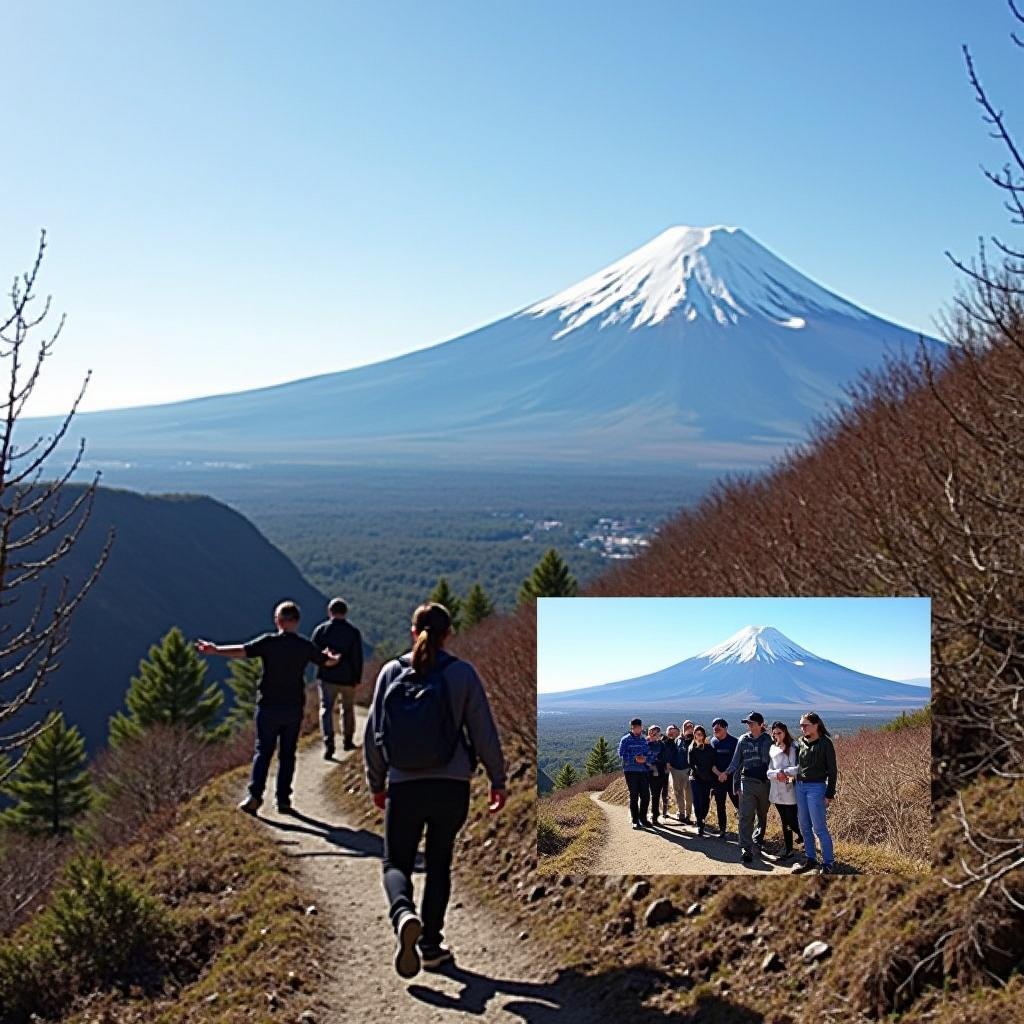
x: 758, y: 665
x: 701, y: 346
x: 176, y: 560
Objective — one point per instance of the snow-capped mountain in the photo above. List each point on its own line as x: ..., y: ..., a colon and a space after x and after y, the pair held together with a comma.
x: 756, y: 667
x: 700, y: 348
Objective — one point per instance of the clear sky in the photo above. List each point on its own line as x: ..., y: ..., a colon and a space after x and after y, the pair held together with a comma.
x: 241, y: 193
x: 591, y: 640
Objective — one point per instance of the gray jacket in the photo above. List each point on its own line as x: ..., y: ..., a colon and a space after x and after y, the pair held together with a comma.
x: 469, y: 706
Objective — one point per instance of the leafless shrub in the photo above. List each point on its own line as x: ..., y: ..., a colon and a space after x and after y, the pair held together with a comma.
x: 154, y: 773
x: 28, y: 867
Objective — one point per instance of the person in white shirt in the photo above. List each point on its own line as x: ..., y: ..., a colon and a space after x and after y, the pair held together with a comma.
x: 782, y: 791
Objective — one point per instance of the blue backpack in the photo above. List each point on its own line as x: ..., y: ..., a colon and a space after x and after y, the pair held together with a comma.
x: 415, y: 725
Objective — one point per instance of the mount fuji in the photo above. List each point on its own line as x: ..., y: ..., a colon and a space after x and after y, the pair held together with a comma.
x: 756, y: 667
x: 700, y: 348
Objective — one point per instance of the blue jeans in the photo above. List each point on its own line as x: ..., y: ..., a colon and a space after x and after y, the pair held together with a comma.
x: 810, y: 809
x: 274, y: 724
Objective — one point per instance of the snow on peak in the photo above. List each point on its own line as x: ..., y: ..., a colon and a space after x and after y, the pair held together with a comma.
x: 757, y: 643
x: 718, y: 273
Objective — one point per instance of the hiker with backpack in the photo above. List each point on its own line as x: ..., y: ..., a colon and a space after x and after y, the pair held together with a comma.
x: 751, y: 761
x: 679, y: 771
x: 282, y: 696
x: 428, y: 723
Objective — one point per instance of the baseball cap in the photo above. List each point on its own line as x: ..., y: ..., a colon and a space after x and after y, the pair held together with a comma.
x: 754, y: 716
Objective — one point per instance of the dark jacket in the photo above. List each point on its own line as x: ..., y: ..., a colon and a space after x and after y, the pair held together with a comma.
x: 343, y: 638
x: 657, y: 758
x: 701, y: 760
x: 675, y: 751
x: 816, y: 762
x: 752, y: 757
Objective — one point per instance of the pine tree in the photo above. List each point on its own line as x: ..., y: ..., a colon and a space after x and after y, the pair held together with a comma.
x: 244, y: 681
x: 550, y: 578
x: 443, y: 594
x: 567, y: 776
x: 51, y: 785
x: 169, y: 690
x: 478, y: 607
x: 600, y: 760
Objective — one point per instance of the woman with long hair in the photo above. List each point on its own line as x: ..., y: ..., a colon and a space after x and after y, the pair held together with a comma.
x: 815, y: 773
x: 701, y: 758
x: 781, y: 790
x: 428, y: 723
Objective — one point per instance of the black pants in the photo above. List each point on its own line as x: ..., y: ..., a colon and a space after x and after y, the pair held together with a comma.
x: 275, y: 727
x: 440, y: 807
x: 721, y: 790
x: 639, y: 794
x: 701, y: 799
x: 790, y: 823
x: 659, y: 794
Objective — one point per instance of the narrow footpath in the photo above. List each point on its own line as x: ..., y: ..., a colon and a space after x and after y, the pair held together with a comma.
x: 672, y: 849
x: 497, y: 975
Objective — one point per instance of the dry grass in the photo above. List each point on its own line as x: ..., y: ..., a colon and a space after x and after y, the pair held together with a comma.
x: 570, y: 832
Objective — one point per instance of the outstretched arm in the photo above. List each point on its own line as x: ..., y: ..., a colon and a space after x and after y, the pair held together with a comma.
x: 224, y: 650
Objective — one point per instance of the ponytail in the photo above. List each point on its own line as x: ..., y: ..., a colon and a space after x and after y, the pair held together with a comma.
x: 432, y: 623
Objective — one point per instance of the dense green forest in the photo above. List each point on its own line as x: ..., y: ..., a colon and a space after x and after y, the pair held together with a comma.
x: 381, y: 539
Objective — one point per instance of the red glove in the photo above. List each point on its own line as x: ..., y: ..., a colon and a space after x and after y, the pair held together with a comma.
x: 497, y: 800
x: 379, y: 799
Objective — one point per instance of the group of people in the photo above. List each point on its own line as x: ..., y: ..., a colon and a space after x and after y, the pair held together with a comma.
x: 429, y: 725
x: 754, y: 771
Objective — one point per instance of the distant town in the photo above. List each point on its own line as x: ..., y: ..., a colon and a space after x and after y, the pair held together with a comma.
x: 610, y: 537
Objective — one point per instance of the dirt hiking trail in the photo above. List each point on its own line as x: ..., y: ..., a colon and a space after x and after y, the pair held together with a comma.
x: 672, y: 849
x: 496, y: 975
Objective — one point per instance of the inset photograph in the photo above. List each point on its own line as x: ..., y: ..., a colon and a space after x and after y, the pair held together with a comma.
x: 710, y: 736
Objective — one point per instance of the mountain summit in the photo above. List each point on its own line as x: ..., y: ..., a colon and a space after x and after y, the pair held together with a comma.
x: 756, y: 667
x: 757, y: 643
x: 719, y: 274
x: 700, y: 349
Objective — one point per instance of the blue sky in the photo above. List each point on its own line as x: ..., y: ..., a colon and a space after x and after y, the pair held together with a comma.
x: 586, y: 641
x: 239, y: 194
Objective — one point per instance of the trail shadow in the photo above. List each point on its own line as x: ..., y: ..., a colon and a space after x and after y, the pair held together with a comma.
x: 715, y: 849
x: 359, y: 842
x: 619, y: 992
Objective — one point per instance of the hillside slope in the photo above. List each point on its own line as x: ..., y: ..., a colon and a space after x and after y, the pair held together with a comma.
x: 179, y: 560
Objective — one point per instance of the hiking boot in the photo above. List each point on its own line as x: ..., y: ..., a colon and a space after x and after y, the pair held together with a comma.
x: 787, y: 853
x: 285, y: 808
x: 637, y: 825
x: 826, y: 869
x: 700, y: 828
x: 746, y: 856
x: 328, y: 750
x: 654, y: 819
x: 433, y: 956
x: 807, y: 865
x: 685, y: 819
x: 251, y: 804
x: 644, y: 823
x: 348, y: 745
x: 407, y: 956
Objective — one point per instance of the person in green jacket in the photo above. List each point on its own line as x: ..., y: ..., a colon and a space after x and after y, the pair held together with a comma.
x: 816, y: 773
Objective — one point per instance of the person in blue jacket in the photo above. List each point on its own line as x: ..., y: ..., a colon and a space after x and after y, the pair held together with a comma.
x: 633, y: 751
x: 724, y: 746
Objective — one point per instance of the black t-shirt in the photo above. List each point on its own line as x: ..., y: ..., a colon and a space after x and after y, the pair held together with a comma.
x: 285, y: 657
